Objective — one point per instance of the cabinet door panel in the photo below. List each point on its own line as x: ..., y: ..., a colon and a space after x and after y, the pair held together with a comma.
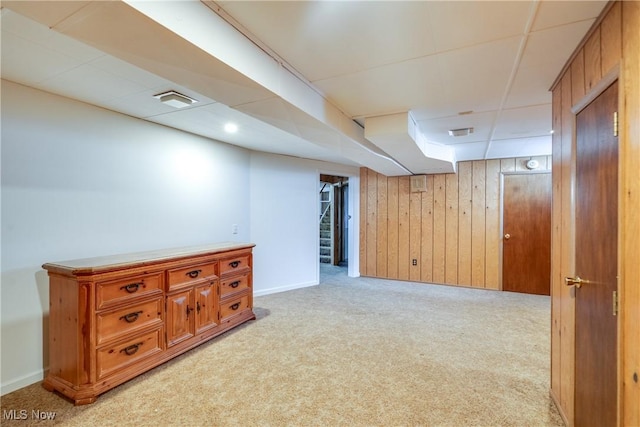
x: 180, y: 317
x: 206, y: 307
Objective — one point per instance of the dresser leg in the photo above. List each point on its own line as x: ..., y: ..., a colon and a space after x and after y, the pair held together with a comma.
x: 85, y: 401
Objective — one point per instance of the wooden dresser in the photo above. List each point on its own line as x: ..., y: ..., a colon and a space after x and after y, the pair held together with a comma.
x: 113, y: 318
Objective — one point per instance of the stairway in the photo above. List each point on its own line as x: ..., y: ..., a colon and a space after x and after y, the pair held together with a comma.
x: 326, y: 223
x: 325, y: 238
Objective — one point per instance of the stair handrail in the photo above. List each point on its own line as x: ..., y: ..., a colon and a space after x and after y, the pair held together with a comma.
x: 325, y: 210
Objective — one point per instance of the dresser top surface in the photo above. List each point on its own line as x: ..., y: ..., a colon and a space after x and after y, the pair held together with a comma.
x: 114, y: 262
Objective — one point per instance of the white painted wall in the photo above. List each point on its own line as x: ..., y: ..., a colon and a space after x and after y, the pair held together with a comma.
x: 285, y: 217
x: 79, y: 181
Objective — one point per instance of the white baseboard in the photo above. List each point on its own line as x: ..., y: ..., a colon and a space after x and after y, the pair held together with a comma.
x: 25, y: 380
x: 283, y: 288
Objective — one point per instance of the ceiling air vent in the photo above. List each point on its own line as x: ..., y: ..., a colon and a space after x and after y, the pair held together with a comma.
x: 460, y: 132
x: 175, y: 99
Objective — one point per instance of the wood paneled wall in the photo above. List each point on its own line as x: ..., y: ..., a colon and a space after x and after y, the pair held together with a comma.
x: 612, y: 44
x: 452, y: 230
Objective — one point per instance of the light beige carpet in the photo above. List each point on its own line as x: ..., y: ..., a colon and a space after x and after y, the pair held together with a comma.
x: 350, y: 352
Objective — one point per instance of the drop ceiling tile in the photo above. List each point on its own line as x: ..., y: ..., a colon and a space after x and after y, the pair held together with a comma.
x: 530, y: 87
x: 458, y: 24
x: 524, y: 122
x: 344, y: 37
x: 252, y: 134
x: 476, y: 78
x: 556, y: 13
x: 209, y: 120
x: 40, y: 64
x: 49, y: 13
x: 144, y: 105
x: 90, y: 84
x: 129, y: 72
x: 543, y: 49
x: 523, y: 147
x: 47, y: 38
x: 541, y: 62
x: 437, y: 130
x: 389, y: 89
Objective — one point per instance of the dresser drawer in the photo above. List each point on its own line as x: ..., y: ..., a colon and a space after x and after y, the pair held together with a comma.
x: 113, y: 324
x: 234, y: 265
x: 234, y: 284
x: 193, y: 273
x: 121, y: 290
x: 118, y: 356
x: 234, y: 306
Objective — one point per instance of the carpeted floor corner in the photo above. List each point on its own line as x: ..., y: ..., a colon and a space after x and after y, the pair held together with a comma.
x: 349, y: 352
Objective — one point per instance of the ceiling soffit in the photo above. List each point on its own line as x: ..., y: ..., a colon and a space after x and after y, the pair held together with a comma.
x: 399, y: 134
x: 185, y: 42
x: 207, y: 53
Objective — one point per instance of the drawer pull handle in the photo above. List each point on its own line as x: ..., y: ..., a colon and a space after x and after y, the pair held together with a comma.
x: 235, y: 306
x: 131, y: 288
x: 189, y: 310
x: 193, y: 273
x: 198, y: 307
x: 234, y: 264
x: 131, y: 317
x: 235, y: 284
x: 131, y: 350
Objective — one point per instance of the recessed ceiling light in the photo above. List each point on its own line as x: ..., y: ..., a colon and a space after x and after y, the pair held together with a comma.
x: 175, y: 99
x: 460, y: 132
x: 231, y: 128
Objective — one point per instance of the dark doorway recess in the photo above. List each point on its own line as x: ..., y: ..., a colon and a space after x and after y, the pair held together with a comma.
x: 334, y: 219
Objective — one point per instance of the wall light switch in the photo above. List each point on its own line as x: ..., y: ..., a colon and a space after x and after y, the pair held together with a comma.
x: 234, y: 229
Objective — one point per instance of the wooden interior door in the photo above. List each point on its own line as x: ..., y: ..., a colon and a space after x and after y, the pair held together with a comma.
x: 596, y: 262
x: 526, y: 248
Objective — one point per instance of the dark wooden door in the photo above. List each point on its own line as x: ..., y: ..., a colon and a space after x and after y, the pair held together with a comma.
x: 526, y: 248
x: 596, y: 261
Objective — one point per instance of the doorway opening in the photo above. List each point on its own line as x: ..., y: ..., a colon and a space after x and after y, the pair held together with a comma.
x: 334, y: 221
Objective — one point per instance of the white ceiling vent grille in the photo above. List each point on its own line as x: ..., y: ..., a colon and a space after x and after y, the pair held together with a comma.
x: 175, y: 99
x: 460, y: 132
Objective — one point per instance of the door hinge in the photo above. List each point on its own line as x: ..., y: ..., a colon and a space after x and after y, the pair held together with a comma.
x: 615, y: 123
x: 615, y: 303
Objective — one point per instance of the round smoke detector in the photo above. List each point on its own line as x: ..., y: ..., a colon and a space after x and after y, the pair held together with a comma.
x: 532, y: 164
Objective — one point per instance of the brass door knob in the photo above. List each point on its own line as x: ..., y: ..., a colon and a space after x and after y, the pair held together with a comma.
x: 575, y: 281
x: 507, y: 236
